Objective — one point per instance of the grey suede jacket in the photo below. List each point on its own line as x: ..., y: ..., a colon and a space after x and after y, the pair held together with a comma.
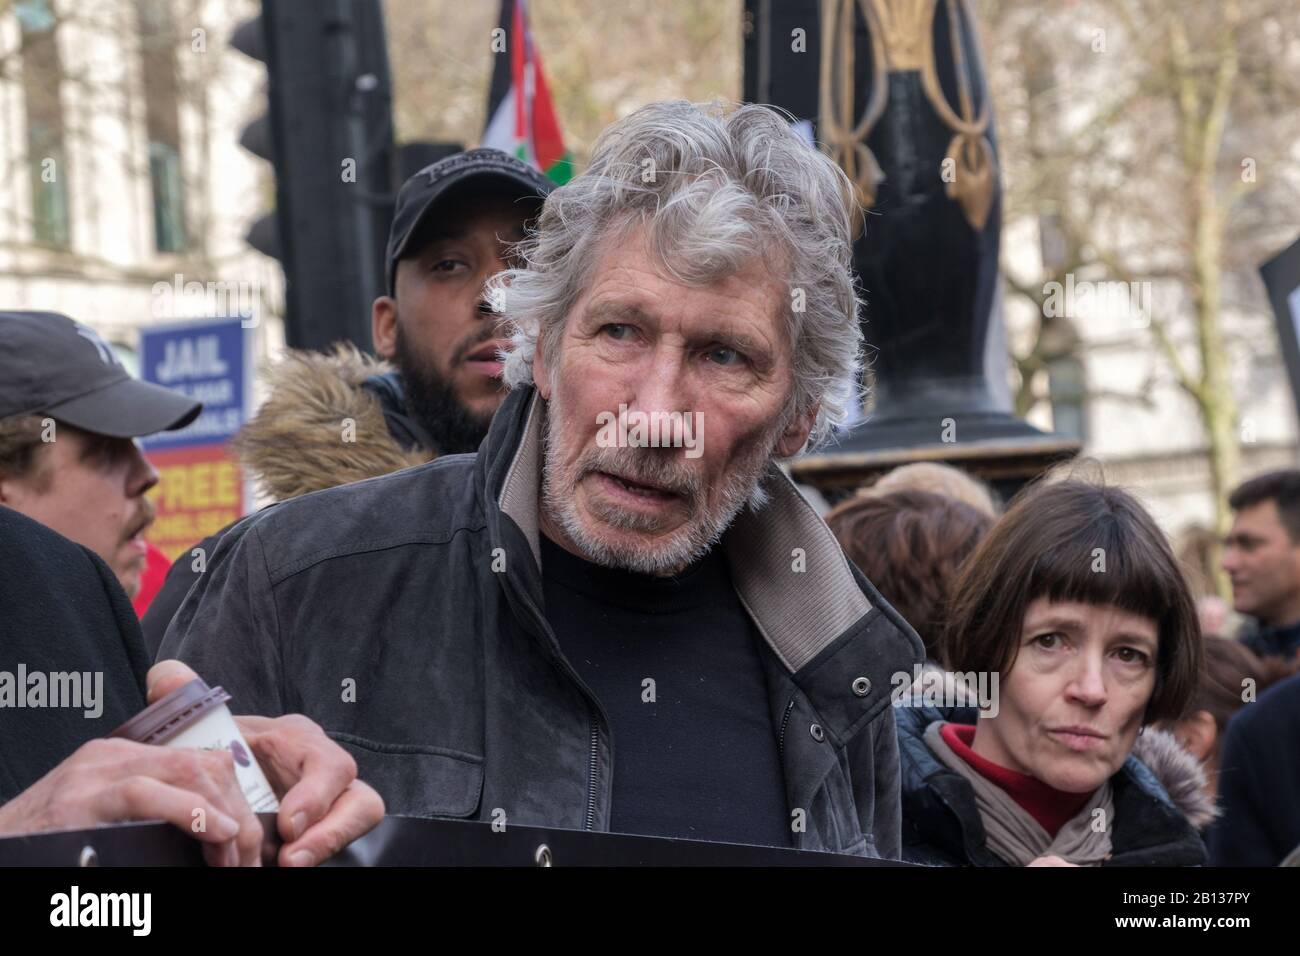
x: 405, y: 615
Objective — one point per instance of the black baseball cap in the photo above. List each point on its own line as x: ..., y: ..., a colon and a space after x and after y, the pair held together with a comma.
x: 481, y: 168
x: 51, y: 365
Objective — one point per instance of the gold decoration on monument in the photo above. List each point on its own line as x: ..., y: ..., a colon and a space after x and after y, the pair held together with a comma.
x: 845, y: 140
x: 904, y: 24
x: 902, y: 38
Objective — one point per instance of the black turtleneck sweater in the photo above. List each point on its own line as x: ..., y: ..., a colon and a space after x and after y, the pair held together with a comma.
x: 698, y: 758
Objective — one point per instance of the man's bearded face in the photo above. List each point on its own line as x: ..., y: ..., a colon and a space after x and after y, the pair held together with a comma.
x: 447, y: 339
x: 642, y: 341
x: 432, y: 400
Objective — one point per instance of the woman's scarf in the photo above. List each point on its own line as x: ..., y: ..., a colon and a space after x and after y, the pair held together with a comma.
x: 1011, y: 831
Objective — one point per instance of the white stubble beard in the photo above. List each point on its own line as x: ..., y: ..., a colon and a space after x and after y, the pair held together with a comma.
x: 743, y: 487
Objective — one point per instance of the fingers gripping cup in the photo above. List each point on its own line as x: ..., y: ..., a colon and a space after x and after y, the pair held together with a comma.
x: 196, y: 715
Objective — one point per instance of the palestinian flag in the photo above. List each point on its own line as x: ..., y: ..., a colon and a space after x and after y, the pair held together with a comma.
x: 521, y: 116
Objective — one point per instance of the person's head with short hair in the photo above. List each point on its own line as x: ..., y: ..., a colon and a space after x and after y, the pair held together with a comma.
x: 69, y: 414
x: 939, y: 479
x: 455, y: 226
x: 910, y: 544
x: 699, y: 267
x: 87, y: 487
x: 1076, y: 600
x: 1262, y: 553
x: 1230, y: 674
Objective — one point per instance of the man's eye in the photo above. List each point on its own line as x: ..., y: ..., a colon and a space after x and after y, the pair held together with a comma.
x: 105, y: 453
x: 724, y: 356
x: 618, y: 332
x: 446, y: 265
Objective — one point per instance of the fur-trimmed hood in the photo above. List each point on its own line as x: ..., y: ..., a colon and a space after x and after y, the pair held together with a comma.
x: 319, y: 427
x: 1179, y: 773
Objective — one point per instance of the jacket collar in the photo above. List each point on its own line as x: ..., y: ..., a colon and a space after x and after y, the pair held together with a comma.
x: 788, y: 569
x: 390, y: 389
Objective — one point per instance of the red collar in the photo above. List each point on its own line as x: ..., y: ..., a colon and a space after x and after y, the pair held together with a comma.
x: 1052, y: 808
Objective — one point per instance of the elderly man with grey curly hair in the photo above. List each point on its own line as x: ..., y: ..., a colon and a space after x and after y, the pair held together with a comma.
x: 619, y: 615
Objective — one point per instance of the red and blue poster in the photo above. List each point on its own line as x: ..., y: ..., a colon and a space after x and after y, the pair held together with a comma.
x: 200, y: 488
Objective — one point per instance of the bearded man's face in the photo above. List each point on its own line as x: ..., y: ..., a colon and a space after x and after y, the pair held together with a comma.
x: 713, y: 360
x: 438, y: 328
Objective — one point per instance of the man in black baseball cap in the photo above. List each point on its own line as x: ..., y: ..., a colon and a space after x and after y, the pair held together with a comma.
x: 439, y: 381
x: 452, y: 230
x: 69, y: 413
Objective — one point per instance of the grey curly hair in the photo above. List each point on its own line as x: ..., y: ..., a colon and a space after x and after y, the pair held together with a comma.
x: 715, y: 185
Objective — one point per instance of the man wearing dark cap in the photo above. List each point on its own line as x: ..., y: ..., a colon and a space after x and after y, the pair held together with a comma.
x: 452, y: 231
x: 437, y: 382
x: 69, y: 414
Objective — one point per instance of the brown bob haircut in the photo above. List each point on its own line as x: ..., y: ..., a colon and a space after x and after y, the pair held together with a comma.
x: 1046, y: 546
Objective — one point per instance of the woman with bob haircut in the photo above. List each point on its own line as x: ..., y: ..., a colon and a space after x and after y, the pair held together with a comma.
x: 1075, y: 609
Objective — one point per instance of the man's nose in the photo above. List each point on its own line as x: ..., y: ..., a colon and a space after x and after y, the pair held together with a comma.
x: 143, y: 475
x: 1230, y: 560
x: 662, y: 385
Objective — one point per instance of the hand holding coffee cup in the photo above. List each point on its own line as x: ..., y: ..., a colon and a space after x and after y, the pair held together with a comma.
x: 322, y: 806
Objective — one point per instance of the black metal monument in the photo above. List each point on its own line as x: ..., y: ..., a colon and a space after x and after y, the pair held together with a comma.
x: 897, y: 94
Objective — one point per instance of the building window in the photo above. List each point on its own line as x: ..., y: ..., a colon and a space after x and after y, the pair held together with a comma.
x: 168, y: 197
x: 161, y: 101
x: 1067, y: 392
x: 46, y: 157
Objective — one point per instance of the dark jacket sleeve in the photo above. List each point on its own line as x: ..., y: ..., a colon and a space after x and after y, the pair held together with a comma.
x: 180, y: 578
x: 61, y: 610
x: 227, y: 627
x: 875, y: 774
x: 1259, y: 782
x: 128, y: 625
x: 887, y: 821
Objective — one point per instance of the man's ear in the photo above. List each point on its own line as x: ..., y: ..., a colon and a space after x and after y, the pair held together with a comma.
x: 796, y: 433
x: 9, y: 491
x: 1198, y: 732
x: 383, y: 326
x: 19, y: 493
x: 541, y: 378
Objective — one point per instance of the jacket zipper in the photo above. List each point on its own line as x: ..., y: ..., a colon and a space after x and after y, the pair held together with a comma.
x: 780, y: 742
x: 591, y: 773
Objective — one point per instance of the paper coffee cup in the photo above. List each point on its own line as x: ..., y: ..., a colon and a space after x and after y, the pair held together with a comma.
x: 195, y: 715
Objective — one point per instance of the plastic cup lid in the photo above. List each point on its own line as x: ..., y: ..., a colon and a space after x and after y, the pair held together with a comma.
x: 164, y: 719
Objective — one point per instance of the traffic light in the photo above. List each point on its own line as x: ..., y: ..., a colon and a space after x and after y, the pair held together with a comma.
x: 780, y: 64
x: 328, y: 134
